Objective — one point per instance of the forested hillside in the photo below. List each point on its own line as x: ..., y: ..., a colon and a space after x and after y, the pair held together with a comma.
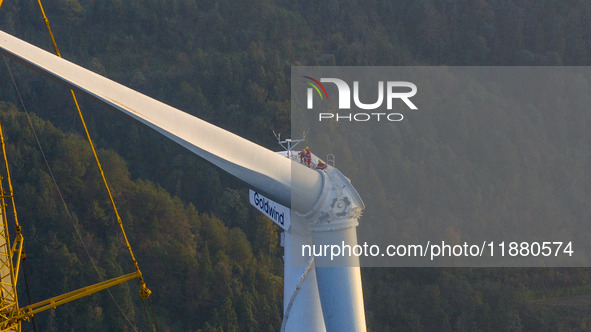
x: 207, y: 274
x: 212, y: 262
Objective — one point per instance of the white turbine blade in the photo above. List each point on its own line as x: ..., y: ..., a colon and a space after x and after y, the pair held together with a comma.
x: 306, y: 311
x: 252, y: 163
x: 333, y: 225
x: 341, y: 294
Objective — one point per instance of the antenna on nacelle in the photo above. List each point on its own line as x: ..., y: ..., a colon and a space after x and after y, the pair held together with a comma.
x: 289, y: 144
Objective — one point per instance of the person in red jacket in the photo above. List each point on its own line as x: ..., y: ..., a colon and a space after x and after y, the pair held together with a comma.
x: 321, y: 165
x: 308, y: 158
x: 302, y: 155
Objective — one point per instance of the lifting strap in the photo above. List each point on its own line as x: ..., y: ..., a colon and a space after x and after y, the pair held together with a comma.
x: 294, y: 294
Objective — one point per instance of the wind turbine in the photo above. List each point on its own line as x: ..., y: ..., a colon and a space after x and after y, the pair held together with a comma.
x: 325, y: 207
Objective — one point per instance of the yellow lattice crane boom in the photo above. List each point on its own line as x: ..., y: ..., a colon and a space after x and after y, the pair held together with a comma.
x: 10, y: 257
x: 11, y: 254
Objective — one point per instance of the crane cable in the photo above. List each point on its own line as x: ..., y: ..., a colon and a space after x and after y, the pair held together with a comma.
x: 144, y: 291
x: 59, y: 192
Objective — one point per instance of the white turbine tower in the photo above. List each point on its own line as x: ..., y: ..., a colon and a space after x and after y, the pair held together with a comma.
x: 325, y: 206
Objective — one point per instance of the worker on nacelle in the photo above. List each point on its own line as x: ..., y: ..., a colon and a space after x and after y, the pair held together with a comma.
x: 321, y: 165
